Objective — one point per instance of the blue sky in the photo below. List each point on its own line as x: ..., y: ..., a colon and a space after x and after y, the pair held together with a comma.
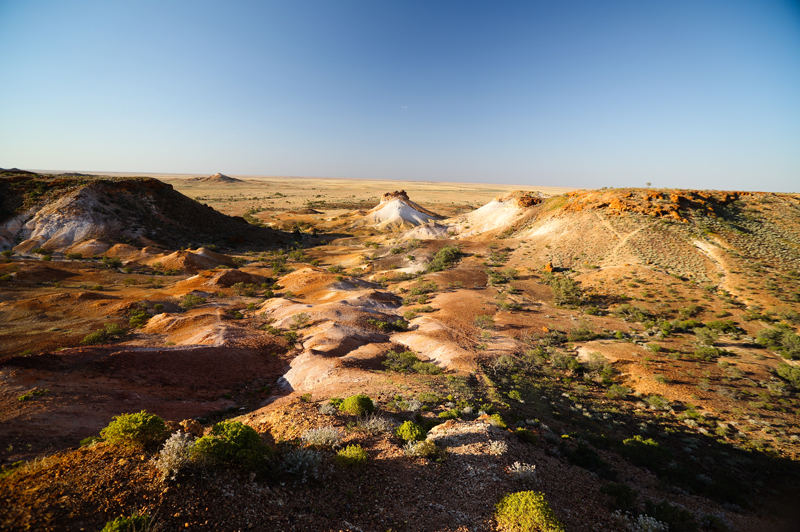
x: 692, y: 94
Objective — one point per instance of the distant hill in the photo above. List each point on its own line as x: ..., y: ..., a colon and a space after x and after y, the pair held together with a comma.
x: 216, y: 178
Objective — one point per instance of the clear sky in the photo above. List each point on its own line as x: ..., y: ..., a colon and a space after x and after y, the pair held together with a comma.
x: 694, y: 94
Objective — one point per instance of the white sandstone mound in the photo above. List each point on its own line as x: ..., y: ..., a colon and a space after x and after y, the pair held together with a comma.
x: 499, y: 214
x: 428, y: 231
x: 397, y: 211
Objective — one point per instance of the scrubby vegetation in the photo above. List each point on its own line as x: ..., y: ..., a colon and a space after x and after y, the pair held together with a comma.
x: 357, y: 405
x: 526, y: 510
x: 141, y: 430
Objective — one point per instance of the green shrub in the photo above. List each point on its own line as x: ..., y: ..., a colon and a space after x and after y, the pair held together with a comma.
x: 134, y: 523
x: 498, y: 421
x: 644, y: 452
x: 526, y: 511
x: 231, y: 444
x: 357, y: 405
x: 111, y: 332
x: 450, y: 414
x: 5, y: 277
x: 789, y: 373
x: 36, y: 392
x: 74, y: 256
x: 444, y: 258
x: 484, y: 321
x: 585, y: 457
x: 97, y: 337
x: 566, y: 291
x: 89, y: 440
x: 781, y: 339
x: 7, y: 253
x: 426, y: 368
x: 678, y: 519
x: 525, y: 435
x: 190, y: 301
x: 423, y: 449
x: 707, y: 353
x: 352, y: 456
x: 138, y: 318
x: 140, y: 430
x: 111, y: 262
x: 401, y: 362
x: 410, y: 431
x: 622, y: 496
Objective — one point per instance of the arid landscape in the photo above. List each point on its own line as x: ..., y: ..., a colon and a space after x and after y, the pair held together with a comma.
x: 629, y: 353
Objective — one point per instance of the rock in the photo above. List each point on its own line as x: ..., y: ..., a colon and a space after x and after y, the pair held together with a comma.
x: 190, y: 426
x: 548, y: 267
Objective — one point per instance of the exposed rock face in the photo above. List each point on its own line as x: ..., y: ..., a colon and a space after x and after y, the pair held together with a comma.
x: 56, y: 213
x: 660, y: 204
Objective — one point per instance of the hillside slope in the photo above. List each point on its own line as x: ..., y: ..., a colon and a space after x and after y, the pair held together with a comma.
x: 55, y: 213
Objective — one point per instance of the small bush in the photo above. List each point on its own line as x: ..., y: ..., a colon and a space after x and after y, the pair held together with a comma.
x: 401, y: 362
x: 566, y: 291
x: 426, y: 368
x: 135, y: 430
x: 175, y: 455
x: 36, y: 392
x: 302, y: 464
x: 707, y: 353
x: 498, y: 421
x: 357, y: 405
x: 622, y: 496
x: 525, y: 435
x: 328, y: 409
x: 134, y: 523
x: 138, y: 318
x: 111, y: 262
x: 497, y: 447
x: 521, y: 472
x: 781, y: 339
x: 352, y: 456
x: 410, y: 431
x: 444, y: 258
x: 449, y: 414
x: 526, y: 511
x: 323, y: 436
x: 190, y: 301
x: 484, y: 321
x: 644, y: 452
x: 299, y: 320
x: 374, y: 424
x: 232, y: 444
x: 790, y: 374
x: 421, y: 449
x: 676, y: 518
